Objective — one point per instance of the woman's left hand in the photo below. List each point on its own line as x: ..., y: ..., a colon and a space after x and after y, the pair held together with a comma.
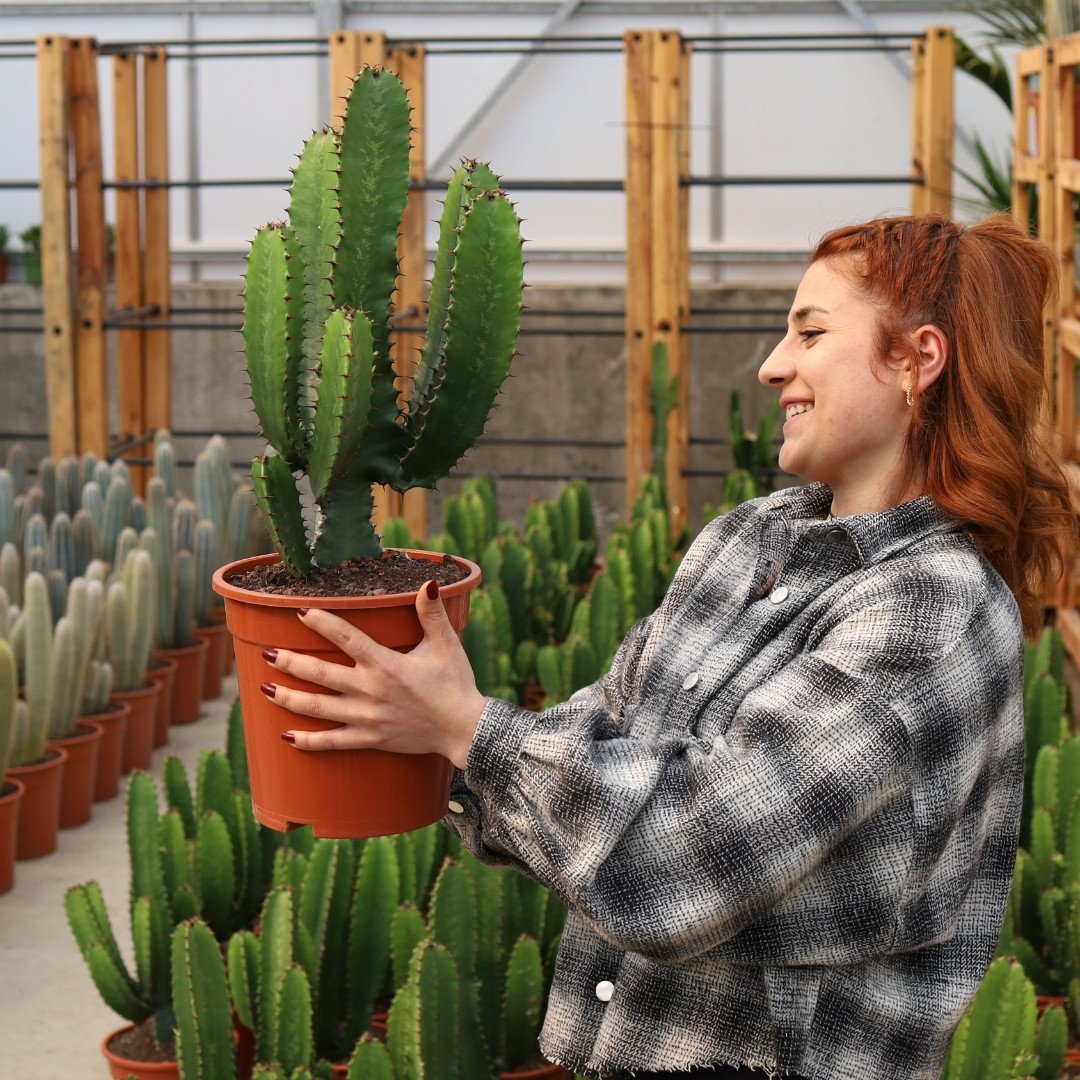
x: 419, y: 702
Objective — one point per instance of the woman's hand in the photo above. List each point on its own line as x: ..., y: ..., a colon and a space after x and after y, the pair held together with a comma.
x: 419, y: 702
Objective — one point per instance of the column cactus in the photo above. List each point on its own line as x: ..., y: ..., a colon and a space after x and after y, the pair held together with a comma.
x: 317, y: 330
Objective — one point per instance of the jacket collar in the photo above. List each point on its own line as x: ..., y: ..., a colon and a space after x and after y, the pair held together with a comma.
x: 876, y: 536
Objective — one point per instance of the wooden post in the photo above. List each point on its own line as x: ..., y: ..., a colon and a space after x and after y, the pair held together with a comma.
x: 638, y: 49
x: 57, y: 301
x: 130, y: 371
x: 157, y: 344
x: 933, y: 120
x: 657, y: 251
x: 349, y: 50
x: 410, y: 300
x: 91, y: 365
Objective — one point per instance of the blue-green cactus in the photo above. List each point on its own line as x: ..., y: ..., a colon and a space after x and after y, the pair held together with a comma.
x: 317, y: 334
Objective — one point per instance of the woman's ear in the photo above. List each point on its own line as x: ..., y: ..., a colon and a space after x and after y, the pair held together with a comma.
x: 932, y: 349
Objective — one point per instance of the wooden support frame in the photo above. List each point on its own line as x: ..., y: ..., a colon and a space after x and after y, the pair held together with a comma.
x: 657, y: 251
x: 57, y: 301
x: 933, y: 120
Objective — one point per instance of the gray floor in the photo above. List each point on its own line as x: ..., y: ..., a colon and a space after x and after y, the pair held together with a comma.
x: 52, y: 1020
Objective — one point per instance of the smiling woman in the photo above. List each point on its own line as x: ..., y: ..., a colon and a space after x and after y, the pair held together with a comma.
x: 785, y: 822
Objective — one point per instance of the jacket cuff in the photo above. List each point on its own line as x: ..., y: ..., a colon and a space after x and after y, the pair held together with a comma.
x: 497, y: 745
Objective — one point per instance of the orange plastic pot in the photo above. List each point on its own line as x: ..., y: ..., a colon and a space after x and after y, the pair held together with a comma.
x: 110, y: 757
x: 11, y: 796
x: 139, y: 733
x: 188, y: 681
x: 80, y: 773
x: 39, y: 815
x: 120, y: 1068
x: 339, y: 793
x: 163, y: 672
x: 550, y: 1071
x: 216, y: 634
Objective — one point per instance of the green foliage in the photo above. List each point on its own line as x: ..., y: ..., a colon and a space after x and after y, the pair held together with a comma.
x: 317, y: 332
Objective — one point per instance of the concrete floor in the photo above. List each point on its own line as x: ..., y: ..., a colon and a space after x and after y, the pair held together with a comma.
x: 52, y: 1020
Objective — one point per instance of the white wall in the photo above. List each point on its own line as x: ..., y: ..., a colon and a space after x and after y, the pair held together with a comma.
x: 821, y: 113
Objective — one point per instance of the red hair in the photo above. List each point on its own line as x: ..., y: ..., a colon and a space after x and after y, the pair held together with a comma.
x: 976, y: 440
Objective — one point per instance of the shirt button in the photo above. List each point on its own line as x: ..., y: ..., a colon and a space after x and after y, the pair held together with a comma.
x: 835, y: 536
x: 455, y: 807
x: 605, y: 990
x: 779, y: 594
x: 690, y: 681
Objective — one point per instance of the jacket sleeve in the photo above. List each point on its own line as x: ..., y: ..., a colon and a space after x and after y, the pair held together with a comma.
x: 791, y: 838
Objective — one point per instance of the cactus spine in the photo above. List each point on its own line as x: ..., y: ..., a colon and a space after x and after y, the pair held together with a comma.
x: 317, y: 334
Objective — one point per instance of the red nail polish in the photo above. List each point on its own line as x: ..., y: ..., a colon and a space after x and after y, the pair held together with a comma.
x: 269, y: 689
x: 288, y: 736
x: 269, y: 655
x: 433, y: 590
x: 302, y: 611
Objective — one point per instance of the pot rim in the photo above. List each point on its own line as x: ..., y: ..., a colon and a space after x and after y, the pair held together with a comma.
x: 142, y: 1066
x: 13, y: 782
x: 337, y: 603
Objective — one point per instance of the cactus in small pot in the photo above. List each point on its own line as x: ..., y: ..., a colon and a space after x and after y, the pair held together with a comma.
x: 318, y: 333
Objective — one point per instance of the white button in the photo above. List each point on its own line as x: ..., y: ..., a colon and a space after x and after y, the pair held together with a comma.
x: 779, y: 594
x: 455, y: 807
x: 690, y: 681
x: 605, y: 990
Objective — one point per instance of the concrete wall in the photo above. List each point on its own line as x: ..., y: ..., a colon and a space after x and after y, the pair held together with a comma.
x: 566, y: 387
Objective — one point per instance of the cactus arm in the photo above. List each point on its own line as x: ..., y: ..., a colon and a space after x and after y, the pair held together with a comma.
x: 183, y: 627
x: 481, y: 334
x: 9, y: 686
x: 279, y: 502
x: 273, y: 306
x: 89, y: 921
x: 114, y: 988
x: 39, y: 647
x: 370, y: 1061
x: 452, y: 917
x: 522, y: 1002
x: 205, y: 1048
x: 207, y: 551
x: 344, y: 399
x: 295, y: 1043
x: 151, y: 924
x: 215, y: 872
x: 1051, y: 1037
x: 175, y: 859
x: 244, y: 962
x: 374, y: 902
x: 313, y: 218
x: 276, y: 958
x: 178, y: 793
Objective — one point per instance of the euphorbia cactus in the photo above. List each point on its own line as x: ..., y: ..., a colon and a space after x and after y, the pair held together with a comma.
x: 317, y: 329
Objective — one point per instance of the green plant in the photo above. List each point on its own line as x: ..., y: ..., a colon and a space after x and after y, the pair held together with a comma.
x: 129, y: 616
x: 205, y: 1048
x: 31, y: 238
x: 317, y: 330
x: 9, y: 688
x: 5, y: 237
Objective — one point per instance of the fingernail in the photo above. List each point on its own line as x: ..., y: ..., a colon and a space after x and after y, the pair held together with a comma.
x: 268, y: 688
x: 269, y: 655
x: 302, y: 611
x: 288, y: 736
x: 433, y: 590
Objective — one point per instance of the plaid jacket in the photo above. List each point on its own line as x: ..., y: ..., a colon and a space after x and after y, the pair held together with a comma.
x: 785, y: 822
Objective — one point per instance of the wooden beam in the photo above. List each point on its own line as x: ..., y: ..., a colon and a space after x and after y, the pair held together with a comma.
x: 91, y: 356
x: 344, y: 48
x: 157, y: 260
x: 939, y: 121
x: 638, y: 46
x: 56, y: 296
x: 130, y: 372
x: 1066, y: 182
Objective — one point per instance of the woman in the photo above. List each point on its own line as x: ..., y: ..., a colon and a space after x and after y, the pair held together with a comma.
x: 785, y: 822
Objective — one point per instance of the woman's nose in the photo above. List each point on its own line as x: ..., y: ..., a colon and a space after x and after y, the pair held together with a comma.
x: 776, y: 370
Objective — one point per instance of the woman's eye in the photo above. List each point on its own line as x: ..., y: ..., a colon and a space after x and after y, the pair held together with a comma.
x: 808, y: 335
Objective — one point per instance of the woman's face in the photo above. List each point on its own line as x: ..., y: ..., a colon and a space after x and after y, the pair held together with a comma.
x: 846, y: 416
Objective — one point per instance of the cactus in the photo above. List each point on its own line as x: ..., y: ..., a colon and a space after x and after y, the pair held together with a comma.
x: 9, y: 686
x: 7, y: 508
x: 995, y: 1039
x: 206, y: 549
x: 317, y: 332
x: 11, y: 573
x: 129, y: 613
x: 424, y: 1017
x: 34, y: 627
x: 117, y: 506
x: 205, y: 1049
x: 523, y: 999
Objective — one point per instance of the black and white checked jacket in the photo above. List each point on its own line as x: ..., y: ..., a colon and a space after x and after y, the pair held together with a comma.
x: 785, y: 822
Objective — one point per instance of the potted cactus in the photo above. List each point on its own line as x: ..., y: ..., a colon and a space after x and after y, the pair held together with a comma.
x: 31, y: 238
x: 317, y: 338
x: 11, y: 790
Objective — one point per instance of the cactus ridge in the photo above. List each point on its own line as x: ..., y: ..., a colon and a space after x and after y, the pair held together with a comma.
x: 205, y: 1047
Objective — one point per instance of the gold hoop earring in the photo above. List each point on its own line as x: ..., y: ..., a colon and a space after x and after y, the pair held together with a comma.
x: 907, y: 391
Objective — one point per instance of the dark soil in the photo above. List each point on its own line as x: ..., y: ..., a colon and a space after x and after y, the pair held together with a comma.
x: 394, y: 572
x: 137, y: 1044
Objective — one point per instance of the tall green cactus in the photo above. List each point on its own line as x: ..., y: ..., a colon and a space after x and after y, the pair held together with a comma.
x: 9, y: 678
x: 317, y: 332
x: 205, y: 1048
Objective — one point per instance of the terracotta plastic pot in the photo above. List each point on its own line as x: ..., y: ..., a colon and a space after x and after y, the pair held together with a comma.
x: 80, y: 773
x: 139, y: 733
x: 120, y: 1068
x: 39, y: 816
x: 550, y: 1071
x: 11, y: 795
x: 163, y: 672
x: 188, y: 681
x: 111, y: 749
x: 340, y: 793
x: 217, y: 636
